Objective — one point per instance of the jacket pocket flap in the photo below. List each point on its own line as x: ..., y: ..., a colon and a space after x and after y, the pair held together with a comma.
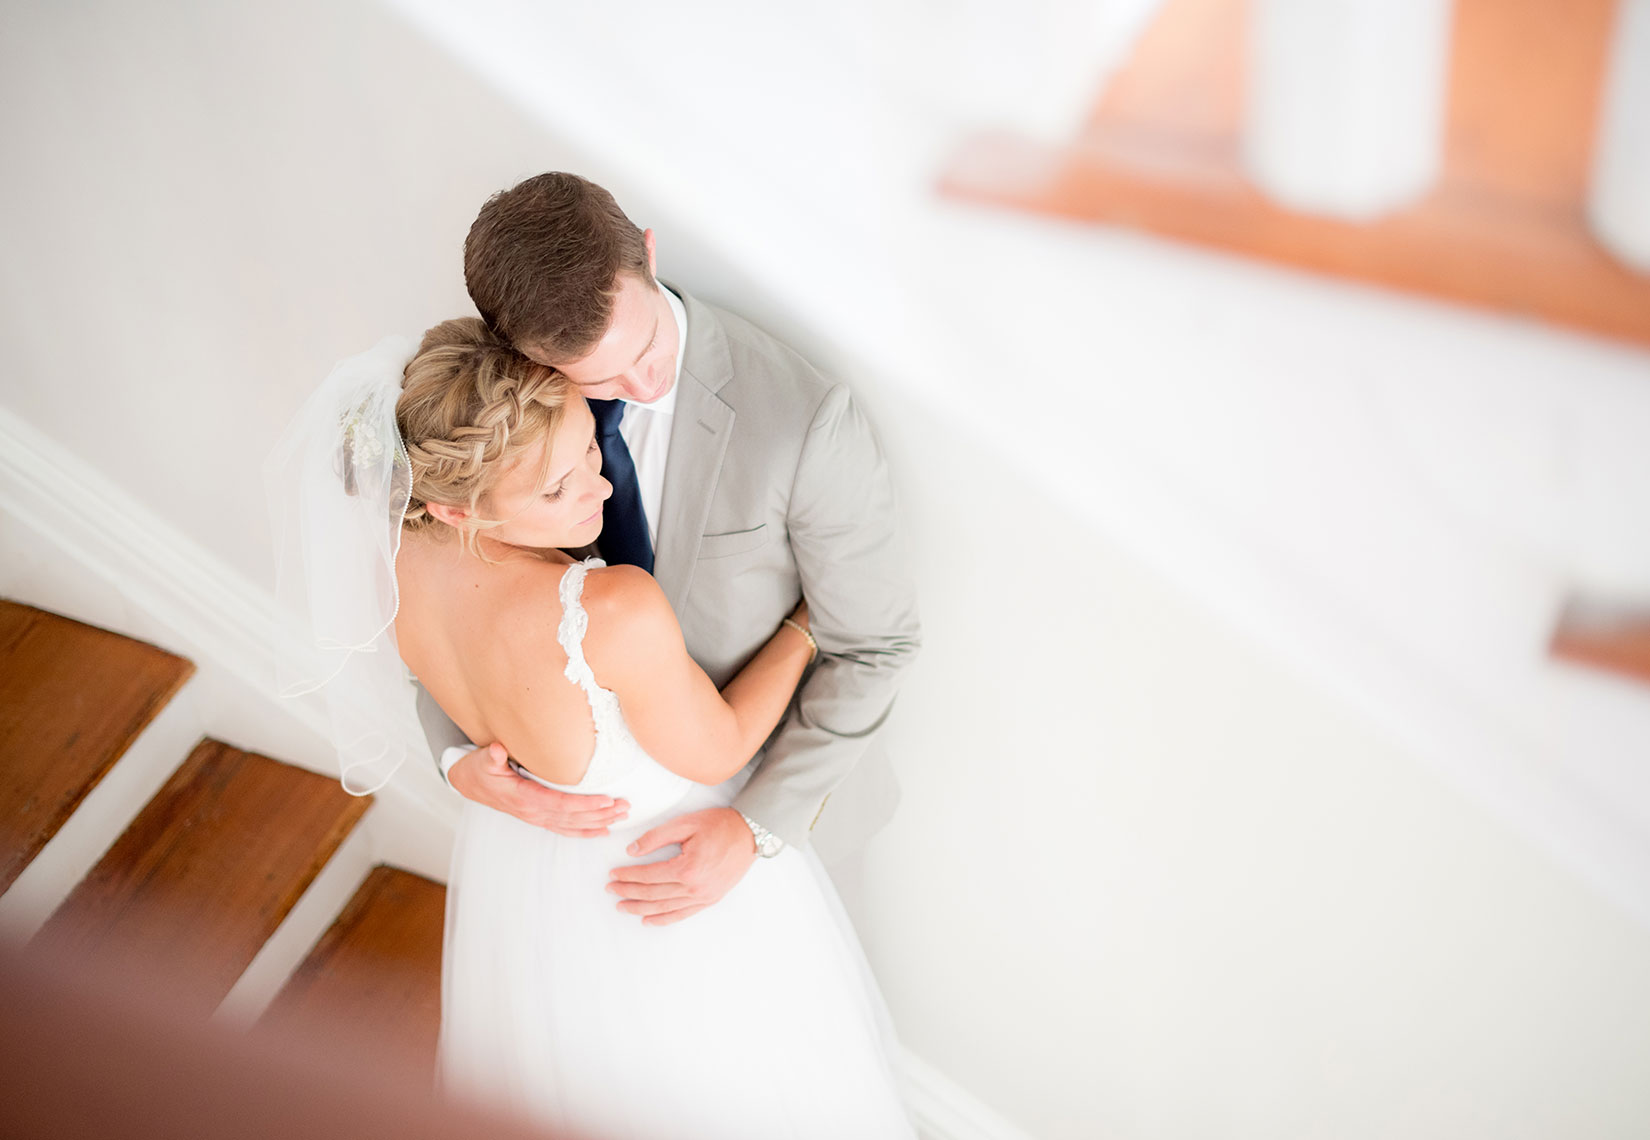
x: 733, y: 542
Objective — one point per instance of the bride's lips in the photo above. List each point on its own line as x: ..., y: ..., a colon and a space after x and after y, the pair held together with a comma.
x: 592, y: 518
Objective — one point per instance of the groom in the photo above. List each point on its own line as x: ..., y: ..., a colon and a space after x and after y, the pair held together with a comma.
x: 742, y: 480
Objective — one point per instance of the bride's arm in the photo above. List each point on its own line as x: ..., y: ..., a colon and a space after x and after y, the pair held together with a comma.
x: 635, y: 648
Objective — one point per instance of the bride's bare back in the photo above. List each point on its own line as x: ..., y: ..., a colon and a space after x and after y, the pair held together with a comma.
x: 482, y: 639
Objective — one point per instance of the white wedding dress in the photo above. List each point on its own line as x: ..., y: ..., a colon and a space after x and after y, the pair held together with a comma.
x: 756, y: 1017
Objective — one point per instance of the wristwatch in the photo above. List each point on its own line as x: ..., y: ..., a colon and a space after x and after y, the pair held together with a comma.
x: 767, y: 843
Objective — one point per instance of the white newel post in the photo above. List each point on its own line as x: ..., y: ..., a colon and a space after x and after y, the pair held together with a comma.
x: 1619, y: 198
x: 1346, y: 102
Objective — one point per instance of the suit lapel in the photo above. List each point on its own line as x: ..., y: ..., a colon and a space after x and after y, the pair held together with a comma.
x: 699, y: 434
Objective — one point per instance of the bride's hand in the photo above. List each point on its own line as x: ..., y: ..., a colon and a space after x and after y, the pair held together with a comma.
x: 800, y: 614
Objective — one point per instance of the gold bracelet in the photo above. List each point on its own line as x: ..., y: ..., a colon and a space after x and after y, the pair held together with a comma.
x: 813, y: 645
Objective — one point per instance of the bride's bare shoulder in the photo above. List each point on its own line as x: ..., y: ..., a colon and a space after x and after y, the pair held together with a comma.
x: 628, y: 610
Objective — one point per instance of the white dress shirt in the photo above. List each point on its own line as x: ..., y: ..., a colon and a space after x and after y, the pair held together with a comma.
x: 646, y: 429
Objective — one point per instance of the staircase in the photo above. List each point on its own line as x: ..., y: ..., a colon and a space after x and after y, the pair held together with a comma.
x: 199, y: 891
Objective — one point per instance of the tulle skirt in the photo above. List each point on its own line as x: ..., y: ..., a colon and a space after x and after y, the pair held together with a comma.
x: 757, y: 1017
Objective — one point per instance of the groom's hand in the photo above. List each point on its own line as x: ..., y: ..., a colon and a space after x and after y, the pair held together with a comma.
x: 485, y: 776
x: 717, y: 850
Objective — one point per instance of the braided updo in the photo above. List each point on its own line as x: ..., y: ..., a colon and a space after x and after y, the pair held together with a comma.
x: 470, y: 407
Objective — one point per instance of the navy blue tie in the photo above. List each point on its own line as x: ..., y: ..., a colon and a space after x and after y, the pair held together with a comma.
x: 623, y: 540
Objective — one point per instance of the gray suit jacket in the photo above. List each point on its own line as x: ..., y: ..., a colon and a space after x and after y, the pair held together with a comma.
x: 776, y: 489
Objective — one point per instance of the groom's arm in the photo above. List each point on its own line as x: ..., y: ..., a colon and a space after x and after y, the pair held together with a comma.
x: 485, y: 776
x: 844, y: 538
x: 844, y: 535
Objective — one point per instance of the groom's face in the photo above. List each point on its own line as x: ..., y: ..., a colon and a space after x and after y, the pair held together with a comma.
x: 636, y: 357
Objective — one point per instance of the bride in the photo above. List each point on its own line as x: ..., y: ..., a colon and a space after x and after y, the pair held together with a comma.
x: 555, y: 1004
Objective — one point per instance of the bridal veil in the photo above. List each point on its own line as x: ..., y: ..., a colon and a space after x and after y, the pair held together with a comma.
x: 338, y: 483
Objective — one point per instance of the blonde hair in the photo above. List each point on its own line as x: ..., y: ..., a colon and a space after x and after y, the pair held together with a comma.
x: 471, y: 406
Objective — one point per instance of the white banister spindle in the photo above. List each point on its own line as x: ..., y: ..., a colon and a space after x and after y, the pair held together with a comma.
x: 1346, y: 102
x: 1619, y: 198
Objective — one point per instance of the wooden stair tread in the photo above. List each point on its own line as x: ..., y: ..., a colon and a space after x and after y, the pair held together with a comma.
x: 375, y: 976
x: 72, y: 700
x: 207, y: 871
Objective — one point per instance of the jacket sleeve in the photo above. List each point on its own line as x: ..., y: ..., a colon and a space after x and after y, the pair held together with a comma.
x: 439, y: 730
x: 845, y: 537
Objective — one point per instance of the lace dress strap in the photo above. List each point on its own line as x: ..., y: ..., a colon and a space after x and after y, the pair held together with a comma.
x: 619, y: 765
x: 574, y: 622
x: 604, y: 705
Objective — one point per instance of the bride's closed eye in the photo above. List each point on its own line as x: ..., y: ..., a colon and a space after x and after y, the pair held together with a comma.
x: 561, y: 488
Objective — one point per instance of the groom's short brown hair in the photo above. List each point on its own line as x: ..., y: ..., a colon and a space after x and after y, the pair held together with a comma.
x: 543, y: 261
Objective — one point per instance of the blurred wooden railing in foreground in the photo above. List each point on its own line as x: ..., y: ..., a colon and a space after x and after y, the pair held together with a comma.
x: 1504, y: 228
x: 90, y: 1051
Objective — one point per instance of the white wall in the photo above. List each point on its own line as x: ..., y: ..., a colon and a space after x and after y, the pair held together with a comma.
x: 1149, y: 881
x: 207, y: 205
x: 1206, y: 826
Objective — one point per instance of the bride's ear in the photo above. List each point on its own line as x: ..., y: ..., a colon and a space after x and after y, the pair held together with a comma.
x: 454, y: 517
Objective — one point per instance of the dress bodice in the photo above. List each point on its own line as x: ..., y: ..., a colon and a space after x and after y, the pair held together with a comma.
x: 619, y: 766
